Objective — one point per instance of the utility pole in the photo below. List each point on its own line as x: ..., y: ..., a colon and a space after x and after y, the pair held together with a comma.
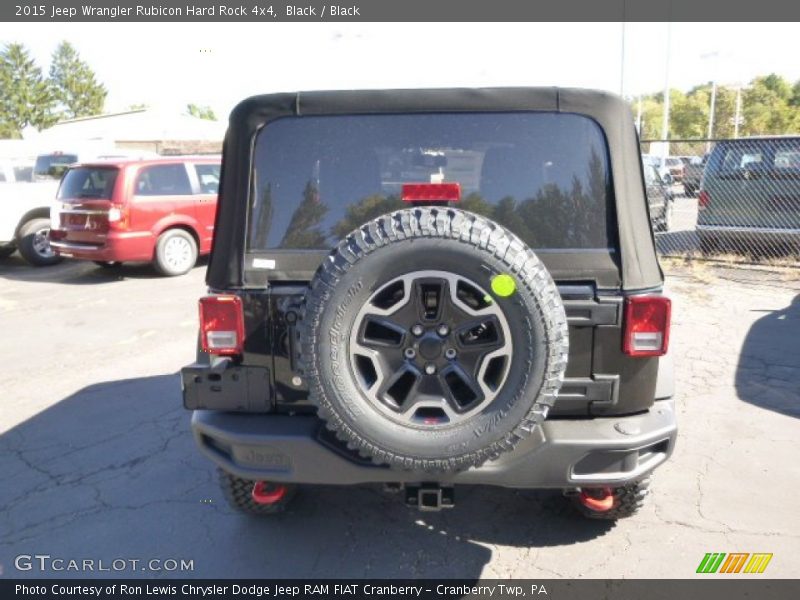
x: 715, y: 68
x: 738, y: 112
x: 665, y: 123
x: 639, y: 117
x: 711, y: 115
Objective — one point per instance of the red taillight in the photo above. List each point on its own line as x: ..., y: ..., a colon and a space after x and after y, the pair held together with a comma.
x: 221, y: 325
x: 703, y: 199
x: 431, y: 192
x: 646, y: 326
x: 119, y: 217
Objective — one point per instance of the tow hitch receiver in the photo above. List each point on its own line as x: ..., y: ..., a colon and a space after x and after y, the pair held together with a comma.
x: 430, y: 497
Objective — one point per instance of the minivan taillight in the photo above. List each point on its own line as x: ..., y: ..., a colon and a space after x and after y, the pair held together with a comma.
x: 118, y: 217
x: 221, y: 325
x: 703, y: 199
x: 646, y: 326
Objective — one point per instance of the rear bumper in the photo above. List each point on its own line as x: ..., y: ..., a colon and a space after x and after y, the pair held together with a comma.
x: 562, y: 453
x: 744, y: 231
x: 115, y: 247
x: 772, y: 238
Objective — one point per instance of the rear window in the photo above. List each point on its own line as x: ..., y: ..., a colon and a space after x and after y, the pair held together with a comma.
x: 88, y: 182
x: 545, y: 176
x: 764, y: 155
x: 52, y: 166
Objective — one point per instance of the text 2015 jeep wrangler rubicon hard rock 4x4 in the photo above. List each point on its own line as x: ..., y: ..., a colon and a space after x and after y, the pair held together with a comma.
x: 433, y: 287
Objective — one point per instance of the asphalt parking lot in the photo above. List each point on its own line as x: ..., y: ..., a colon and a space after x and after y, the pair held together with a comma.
x: 96, y: 459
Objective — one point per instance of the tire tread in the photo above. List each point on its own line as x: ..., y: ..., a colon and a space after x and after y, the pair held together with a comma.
x: 469, y: 229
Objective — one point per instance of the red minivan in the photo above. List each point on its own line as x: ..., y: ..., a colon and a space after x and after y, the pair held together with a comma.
x: 160, y: 210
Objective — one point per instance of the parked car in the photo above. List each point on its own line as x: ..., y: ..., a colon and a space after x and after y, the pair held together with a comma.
x: 25, y: 213
x: 160, y: 210
x: 26, y: 194
x: 750, y: 194
x: 670, y: 168
x: 660, y: 199
x: 16, y: 170
x: 693, y: 173
x: 429, y: 288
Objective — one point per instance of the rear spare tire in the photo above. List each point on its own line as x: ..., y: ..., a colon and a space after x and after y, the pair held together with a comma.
x: 433, y: 339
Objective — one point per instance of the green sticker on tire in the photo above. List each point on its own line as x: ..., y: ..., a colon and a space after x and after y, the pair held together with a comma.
x: 503, y: 285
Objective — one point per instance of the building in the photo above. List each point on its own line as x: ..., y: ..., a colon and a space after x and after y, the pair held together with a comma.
x: 145, y: 130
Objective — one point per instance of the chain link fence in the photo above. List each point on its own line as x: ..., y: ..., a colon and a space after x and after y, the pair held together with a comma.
x: 731, y: 199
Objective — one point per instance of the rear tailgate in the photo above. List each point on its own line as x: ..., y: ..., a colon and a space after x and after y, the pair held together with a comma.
x: 600, y: 379
x: 84, y: 204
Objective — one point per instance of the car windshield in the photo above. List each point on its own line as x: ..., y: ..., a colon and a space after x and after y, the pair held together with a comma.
x: 544, y: 175
x: 52, y: 166
x: 88, y: 182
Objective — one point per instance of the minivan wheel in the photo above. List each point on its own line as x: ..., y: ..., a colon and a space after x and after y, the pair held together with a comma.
x: 6, y: 251
x: 176, y: 252
x: 255, y: 497
x: 34, y: 243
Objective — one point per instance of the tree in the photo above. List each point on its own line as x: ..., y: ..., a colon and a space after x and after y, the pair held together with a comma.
x: 765, y: 106
x: 365, y: 210
x: 769, y: 105
x: 77, y: 90
x: 689, y: 114
x: 795, y: 99
x: 303, y: 230
x: 26, y: 98
x: 201, y: 112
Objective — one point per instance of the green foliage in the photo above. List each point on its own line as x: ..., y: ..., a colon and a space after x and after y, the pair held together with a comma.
x: 303, y: 230
x: 364, y: 211
x: 201, y: 112
x: 76, y: 88
x: 769, y: 105
x: 27, y: 98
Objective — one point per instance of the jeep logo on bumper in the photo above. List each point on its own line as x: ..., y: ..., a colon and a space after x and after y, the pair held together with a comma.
x: 264, y: 457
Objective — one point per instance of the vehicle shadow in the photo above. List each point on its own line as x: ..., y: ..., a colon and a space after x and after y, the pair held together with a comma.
x: 112, y: 472
x: 768, y: 372
x: 80, y: 272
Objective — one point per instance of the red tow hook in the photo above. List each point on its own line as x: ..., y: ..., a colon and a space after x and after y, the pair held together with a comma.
x: 265, y: 492
x: 602, y: 502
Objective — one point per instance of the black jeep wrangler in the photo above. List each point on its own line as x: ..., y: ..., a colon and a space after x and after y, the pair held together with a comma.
x: 424, y: 288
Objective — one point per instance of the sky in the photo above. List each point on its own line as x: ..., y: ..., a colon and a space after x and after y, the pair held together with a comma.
x: 168, y: 65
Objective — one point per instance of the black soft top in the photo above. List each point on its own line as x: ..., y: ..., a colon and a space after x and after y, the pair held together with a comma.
x: 639, y: 266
